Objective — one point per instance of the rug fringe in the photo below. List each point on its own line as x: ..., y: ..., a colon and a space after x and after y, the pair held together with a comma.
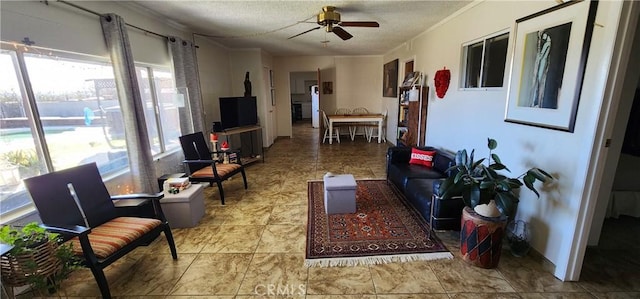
x: 376, y: 260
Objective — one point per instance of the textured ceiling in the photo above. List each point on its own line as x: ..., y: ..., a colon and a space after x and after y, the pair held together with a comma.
x: 268, y: 24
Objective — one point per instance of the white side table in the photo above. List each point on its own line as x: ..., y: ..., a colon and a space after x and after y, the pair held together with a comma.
x: 184, y: 209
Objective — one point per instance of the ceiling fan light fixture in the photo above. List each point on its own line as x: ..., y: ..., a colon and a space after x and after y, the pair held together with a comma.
x: 329, y: 27
x: 328, y: 16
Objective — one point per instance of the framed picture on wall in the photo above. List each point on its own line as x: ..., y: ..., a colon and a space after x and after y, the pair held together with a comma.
x: 327, y: 87
x: 390, y: 79
x: 548, y: 61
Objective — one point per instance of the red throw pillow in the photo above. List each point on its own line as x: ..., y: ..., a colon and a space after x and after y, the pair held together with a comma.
x: 422, y: 157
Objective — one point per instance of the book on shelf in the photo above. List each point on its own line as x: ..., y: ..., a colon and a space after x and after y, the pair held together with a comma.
x: 404, y: 114
x: 401, y: 133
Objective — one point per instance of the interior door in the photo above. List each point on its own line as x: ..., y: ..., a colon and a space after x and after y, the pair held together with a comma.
x: 269, y: 125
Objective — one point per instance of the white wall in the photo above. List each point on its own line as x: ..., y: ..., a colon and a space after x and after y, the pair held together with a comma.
x: 214, y: 69
x: 358, y: 81
x: 464, y: 119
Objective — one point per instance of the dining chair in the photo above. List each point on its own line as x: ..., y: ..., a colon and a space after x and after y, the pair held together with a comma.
x: 328, y: 134
x: 350, y: 127
x: 343, y: 111
x: 360, y: 111
x: 373, y: 127
x: 353, y: 129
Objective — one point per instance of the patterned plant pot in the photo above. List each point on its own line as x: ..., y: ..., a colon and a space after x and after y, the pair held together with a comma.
x: 481, y: 238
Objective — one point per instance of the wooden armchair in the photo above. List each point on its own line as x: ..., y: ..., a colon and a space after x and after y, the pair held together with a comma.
x: 76, y: 204
x: 202, y: 168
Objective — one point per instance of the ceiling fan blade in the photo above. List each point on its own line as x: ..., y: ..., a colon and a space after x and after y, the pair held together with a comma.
x: 316, y: 28
x: 344, y: 35
x: 360, y: 24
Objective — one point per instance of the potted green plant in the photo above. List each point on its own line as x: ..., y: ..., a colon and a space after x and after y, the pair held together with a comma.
x: 25, y: 160
x: 489, y: 196
x: 36, y: 259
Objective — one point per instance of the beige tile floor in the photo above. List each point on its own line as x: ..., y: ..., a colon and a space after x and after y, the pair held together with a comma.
x: 253, y: 247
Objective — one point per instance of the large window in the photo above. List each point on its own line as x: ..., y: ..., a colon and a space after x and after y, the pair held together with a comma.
x: 484, y: 62
x: 158, y: 92
x: 59, y: 110
x: 19, y: 156
x: 78, y: 108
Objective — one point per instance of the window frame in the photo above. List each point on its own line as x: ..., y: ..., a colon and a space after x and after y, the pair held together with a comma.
x: 150, y: 69
x: 35, y: 123
x: 482, y: 75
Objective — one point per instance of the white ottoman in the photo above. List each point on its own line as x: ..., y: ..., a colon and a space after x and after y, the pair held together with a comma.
x: 184, y: 209
x: 339, y: 194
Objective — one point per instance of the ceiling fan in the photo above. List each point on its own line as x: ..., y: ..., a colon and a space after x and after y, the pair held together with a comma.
x: 329, y: 18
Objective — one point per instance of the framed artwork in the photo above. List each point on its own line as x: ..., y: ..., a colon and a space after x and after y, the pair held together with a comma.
x: 547, y: 65
x: 390, y: 79
x: 327, y: 87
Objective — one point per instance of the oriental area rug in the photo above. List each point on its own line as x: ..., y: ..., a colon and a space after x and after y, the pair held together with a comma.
x: 385, y: 228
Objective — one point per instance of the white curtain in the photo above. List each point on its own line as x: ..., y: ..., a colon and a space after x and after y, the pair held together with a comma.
x: 131, y: 105
x: 185, y: 67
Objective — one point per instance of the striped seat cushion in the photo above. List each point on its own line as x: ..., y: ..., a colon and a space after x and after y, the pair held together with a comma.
x: 223, y: 170
x: 115, y: 234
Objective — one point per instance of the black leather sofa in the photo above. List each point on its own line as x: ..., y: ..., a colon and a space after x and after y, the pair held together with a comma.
x: 419, y: 183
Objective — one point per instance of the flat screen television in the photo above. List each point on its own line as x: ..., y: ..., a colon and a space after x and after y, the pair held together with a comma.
x: 238, y: 112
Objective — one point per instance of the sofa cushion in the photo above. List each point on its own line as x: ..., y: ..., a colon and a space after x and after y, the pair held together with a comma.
x: 109, y: 237
x: 446, y: 212
x: 420, y: 157
x: 418, y: 192
x: 443, y: 161
x: 399, y: 174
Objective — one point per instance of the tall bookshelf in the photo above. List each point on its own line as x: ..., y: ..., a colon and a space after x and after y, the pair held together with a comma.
x: 412, y: 115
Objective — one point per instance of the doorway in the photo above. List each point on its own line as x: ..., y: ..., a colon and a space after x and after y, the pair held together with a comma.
x: 300, y: 85
x: 614, y: 254
x: 613, y: 242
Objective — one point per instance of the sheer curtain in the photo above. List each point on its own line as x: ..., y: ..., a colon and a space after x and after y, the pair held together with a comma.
x: 185, y: 67
x: 136, y: 135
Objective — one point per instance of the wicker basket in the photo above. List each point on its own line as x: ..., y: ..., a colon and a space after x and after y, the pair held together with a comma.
x: 41, y: 261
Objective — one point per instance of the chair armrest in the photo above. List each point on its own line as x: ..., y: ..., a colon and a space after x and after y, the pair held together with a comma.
x: 200, y: 161
x: 75, y: 230
x: 152, y: 196
x: 209, y: 161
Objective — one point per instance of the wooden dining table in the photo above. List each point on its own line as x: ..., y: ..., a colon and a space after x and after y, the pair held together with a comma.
x: 356, y: 118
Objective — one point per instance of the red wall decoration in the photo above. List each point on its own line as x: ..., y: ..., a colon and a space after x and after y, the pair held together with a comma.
x: 441, y: 82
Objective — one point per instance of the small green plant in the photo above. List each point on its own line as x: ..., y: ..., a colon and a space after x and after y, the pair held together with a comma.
x: 24, y: 158
x: 27, y: 240
x: 479, y: 183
